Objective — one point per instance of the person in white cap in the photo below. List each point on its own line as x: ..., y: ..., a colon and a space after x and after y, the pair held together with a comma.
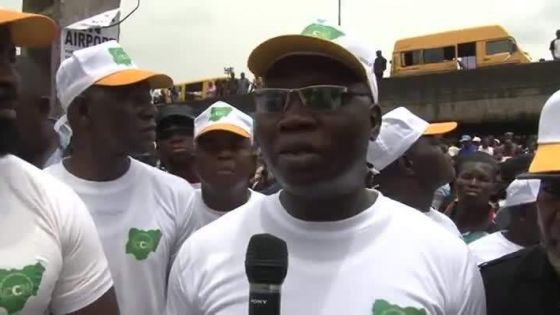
x: 351, y: 250
x: 522, y: 229
x: 528, y: 281
x: 411, y: 162
x: 141, y: 213
x: 51, y: 259
x: 224, y: 160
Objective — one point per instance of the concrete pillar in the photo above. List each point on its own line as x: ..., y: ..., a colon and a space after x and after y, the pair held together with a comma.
x: 64, y: 12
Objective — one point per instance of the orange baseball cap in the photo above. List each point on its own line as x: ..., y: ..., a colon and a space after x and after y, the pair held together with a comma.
x: 28, y: 29
x: 440, y: 128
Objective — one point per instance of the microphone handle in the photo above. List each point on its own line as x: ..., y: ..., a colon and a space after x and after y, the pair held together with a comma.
x: 264, y: 299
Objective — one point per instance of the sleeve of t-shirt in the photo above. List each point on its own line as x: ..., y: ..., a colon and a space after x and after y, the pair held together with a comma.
x: 187, y: 222
x: 181, y: 286
x: 85, y: 274
x: 468, y: 296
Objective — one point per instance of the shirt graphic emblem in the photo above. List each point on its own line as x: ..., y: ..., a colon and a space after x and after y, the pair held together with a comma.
x: 382, y: 307
x: 141, y: 243
x: 18, y: 285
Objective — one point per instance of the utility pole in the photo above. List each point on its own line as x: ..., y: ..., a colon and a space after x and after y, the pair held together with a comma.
x: 339, y: 12
x: 64, y: 12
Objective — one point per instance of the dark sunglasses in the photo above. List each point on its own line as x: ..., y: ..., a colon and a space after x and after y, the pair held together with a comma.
x: 167, y: 134
x: 315, y: 98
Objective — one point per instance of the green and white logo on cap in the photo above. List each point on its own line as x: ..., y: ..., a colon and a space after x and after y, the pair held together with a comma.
x: 217, y: 113
x: 365, y: 54
x: 322, y: 31
x: 120, y: 56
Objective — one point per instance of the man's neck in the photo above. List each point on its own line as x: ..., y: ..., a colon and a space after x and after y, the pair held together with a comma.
x: 186, y: 173
x: 472, y: 216
x: 331, y: 208
x: 409, y: 194
x: 517, y: 237
x: 225, y: 200
x: 97, y: 165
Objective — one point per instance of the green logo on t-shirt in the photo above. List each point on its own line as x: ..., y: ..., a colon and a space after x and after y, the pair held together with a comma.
x: 322, y: 31
x: 382, y: 307
x: 217, y: 113
x: 17, y: 286
x: 120, y: 56
x: 141, y: 243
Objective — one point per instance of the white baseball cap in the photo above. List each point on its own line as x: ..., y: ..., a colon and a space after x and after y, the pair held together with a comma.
x: 548, y: 151
x: 28, y: 29
x: 476, y: 139
x: 522, y: 191
x: 400, y: 129
x: 106, y: 64
x: 224, y: 117
x: 320, y: 38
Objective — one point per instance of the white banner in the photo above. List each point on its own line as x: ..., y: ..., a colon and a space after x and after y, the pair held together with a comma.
x: 89, y: 32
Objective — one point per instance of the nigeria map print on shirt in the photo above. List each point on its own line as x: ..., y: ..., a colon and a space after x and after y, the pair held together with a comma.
x: 18, y: 285
x: 141, y: 243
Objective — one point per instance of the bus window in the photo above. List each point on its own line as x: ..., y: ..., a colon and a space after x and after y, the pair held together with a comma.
x: 193, y: 91
x: 500, y: 47
x: 411, y: 58
x: 435, y: 55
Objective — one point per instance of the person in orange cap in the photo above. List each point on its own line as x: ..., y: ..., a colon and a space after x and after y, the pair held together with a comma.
x: 411, y: 162
x: 142, y: 214
x: 51, y: 260
x: 528, y: 281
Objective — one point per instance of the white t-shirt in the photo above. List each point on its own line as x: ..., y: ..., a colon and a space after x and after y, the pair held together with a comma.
x: 492, y: 247
x: 488, y: 150
x: 387, y: 259
x: 444, y: 221
x: 142, y: 219
x: 206, y: 215
x: 51, y: 259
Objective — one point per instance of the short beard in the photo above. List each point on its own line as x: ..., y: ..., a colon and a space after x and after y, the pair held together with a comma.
x: 8, y: 136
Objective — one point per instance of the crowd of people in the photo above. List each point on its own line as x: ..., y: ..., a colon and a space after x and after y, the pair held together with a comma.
x: 381, y: 214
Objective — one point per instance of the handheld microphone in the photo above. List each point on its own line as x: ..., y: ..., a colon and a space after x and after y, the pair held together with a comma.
x: 266, y: 265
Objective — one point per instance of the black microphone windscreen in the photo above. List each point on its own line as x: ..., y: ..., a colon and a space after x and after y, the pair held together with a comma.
x: 266, y: 260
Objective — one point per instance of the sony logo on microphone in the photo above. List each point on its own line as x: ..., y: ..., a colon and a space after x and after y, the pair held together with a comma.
x: 258, y: 301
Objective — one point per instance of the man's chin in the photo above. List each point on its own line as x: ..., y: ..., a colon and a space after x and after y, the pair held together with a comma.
x: 8, y: 136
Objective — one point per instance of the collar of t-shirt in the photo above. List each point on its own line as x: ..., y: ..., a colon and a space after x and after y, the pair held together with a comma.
x: 104, y: 187
x: 324, y: 230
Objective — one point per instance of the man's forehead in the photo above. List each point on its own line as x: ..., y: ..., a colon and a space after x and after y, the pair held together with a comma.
x: 310, y: 69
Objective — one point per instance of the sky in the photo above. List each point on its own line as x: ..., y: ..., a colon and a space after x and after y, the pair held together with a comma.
x: 192, y: 40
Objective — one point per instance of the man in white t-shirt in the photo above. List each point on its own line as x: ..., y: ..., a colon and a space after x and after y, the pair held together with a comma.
x: 555, y: 47
x: 141, y: 213
x: 351, y: 250
x: 51, y: 260
x: 522, y: 231
x: 412, y: 165
x: 225, y: 161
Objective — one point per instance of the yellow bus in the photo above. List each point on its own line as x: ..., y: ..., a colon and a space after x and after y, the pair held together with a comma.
x: 456, y: 50
x: 199, y: 90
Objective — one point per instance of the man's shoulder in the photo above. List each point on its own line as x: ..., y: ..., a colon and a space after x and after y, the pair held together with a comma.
x: 505, y: 267
x: 163, y: 179
x: 230, y: 226
x: 420, y: 228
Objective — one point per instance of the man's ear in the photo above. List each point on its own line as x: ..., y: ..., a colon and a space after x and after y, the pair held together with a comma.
x: 78, y: 112
x: 375, y: 119
x: 406, y: 165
